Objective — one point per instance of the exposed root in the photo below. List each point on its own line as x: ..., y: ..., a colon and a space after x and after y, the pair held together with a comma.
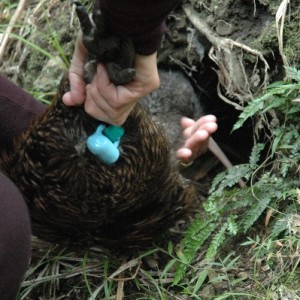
x: 231, y: 71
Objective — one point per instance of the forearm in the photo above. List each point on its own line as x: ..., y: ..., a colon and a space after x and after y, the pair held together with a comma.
x: 143, y: 21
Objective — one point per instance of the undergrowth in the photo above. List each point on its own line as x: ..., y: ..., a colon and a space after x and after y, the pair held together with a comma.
x: 271, y: 201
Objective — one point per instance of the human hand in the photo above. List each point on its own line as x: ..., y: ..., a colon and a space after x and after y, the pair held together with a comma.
x: 196, y: 135
x: 101, y: 98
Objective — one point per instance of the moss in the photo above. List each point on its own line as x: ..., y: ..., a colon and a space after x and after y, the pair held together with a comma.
x: 267, y: 40
x: 292, y: 43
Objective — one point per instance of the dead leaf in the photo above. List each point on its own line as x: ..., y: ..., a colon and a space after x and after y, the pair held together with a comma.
x: 268, y: 216
x: 298, y: 195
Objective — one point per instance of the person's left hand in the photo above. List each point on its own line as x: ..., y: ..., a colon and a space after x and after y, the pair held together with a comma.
x: 101, y: 98
x: 196, y: 135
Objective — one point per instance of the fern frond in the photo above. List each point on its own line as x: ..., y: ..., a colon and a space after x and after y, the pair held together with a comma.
x: 255, y: 154
x: 260, y: 203
x: 253, y: 108
x: 279, y: 226
x: 195, y: 236
x: 238, y: 199
x: 232, y: 225
x: 276, y: 96
x: 216, y: 243
x: 293, y: 73
x: 198, y: 232
x: 229, y: 178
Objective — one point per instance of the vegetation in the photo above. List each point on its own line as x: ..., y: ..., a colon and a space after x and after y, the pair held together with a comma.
x: 266, y: 212
x: 244, y: 245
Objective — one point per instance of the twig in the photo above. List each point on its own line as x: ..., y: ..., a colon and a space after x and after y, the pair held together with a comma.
x: 10, y: 26
x: 132, y: 263
x: 254, y: 5
x: 120, y: 290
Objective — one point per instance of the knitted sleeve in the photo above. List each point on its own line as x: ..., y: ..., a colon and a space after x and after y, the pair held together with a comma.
x: 17, y: 109
x: 142, y: 20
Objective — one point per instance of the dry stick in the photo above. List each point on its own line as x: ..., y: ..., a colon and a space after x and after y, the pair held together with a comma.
x: 121, y: 279
x: 120, y: 290
x: 132, y: 263
x: 280, y: 18
x: 11, y: 24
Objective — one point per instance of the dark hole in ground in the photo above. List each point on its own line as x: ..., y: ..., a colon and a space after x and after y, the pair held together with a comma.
x: 238, y: 144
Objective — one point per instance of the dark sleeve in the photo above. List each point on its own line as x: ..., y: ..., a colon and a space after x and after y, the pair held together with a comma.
x: 17, y: 109
x: 143, y: 21
x: 15, y: 237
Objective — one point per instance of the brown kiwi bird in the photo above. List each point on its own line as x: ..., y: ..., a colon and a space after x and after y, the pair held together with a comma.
x: 74, y: 197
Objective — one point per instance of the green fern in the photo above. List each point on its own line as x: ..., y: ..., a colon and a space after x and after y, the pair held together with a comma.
x: 255, y: 155
x: 267, y: 189
x: 279, y: 226
x: 233, y: 211
x: 255, y: 212
x: 216, y: 243
x: 278, y: 95
x: 233, y: 227
x: 292, y: 73
x: 230, y: 178
x: 198, y: 232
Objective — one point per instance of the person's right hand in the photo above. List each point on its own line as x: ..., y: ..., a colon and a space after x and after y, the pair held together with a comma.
x: 101, y: 98
x: 196, y: 137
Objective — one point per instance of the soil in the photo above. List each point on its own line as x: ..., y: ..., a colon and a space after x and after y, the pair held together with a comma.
x: 228, y: 49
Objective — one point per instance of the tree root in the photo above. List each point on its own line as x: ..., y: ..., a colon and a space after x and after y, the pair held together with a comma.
x: 233, y: 78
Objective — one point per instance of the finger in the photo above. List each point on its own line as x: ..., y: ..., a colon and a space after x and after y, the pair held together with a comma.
x: 116, y: 97
x: 203, y: 121
x: 210, y: 127
x: 186, y: 122
x: 93, y: 109
x: 104, y: 86
x: 97, y: 107
x: 184, y: 154
x: 187, y: 125
x: 197, y: 139
x: 147, y: 77
x: 77, y: 93
x: 194, y: 146
x: 207, y: 118
x: 190, y: 126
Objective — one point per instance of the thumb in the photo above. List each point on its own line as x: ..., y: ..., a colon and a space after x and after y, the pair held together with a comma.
x: 77, y: 93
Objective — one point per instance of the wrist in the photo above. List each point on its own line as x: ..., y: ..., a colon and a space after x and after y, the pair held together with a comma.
x: 146, y: 70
